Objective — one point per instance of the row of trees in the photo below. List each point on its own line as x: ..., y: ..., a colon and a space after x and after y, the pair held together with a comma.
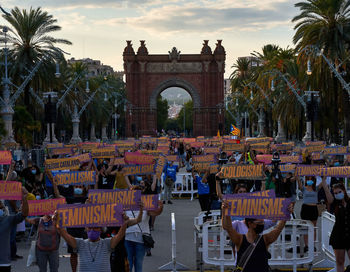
x: 28, y: 35
x: 321, y: 23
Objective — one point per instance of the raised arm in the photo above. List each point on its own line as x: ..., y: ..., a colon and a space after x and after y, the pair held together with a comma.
x: 329, y: 195
x: 25, y: 207
x: 121, y: 233
x: 154, y: 183
x: 138, y: 219
x: 235, y: 237
x: 9, y: 173
x: 63, y: 232
x: 53, y: 180
x: 273, y: 235
x: 158, y: 211
x: 300, y: 184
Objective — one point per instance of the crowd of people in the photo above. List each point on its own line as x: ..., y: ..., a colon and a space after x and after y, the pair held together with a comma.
x: 123, y: 249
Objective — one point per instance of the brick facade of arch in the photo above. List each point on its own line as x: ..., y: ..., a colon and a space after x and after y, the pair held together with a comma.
x: 201, y: 75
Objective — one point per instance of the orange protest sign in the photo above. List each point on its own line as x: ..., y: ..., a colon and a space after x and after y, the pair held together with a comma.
x: 72, y: 163
x: 243, y: 171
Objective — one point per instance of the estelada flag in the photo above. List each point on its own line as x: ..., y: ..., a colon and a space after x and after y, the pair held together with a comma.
x: 235, y: 131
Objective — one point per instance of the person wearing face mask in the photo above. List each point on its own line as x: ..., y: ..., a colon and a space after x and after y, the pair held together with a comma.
x: 340, y: 236
x: 7, y: 222
x: 309, y: 209
x: 260, y: 255
x: 94, y: 252
x: 33, y: 178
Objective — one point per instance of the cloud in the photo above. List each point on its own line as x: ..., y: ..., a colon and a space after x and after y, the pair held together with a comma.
x: 196, y: 18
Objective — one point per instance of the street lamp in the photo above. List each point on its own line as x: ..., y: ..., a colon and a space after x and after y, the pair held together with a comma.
x: 309, y: 71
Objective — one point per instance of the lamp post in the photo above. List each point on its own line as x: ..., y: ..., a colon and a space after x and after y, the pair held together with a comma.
x: 280, y: 136
x: 76, y: 117
x: 184, y: 118
x: 8, y: 101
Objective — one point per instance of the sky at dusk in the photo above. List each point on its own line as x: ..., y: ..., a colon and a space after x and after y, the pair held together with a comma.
x: 99, y: 29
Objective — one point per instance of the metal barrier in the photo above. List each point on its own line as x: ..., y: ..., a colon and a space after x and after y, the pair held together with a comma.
x: 183, y: 185
x: 215, y: 246
x: 173, y: 265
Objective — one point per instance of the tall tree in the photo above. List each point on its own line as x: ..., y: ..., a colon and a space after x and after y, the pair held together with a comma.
x: 29, y: 38
x: 326, y: 24
x: 162, y: 113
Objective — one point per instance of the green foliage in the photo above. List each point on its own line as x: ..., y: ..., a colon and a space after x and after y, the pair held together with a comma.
x: 162, y: 113
x: 188, y: 117
x: 24, y: 126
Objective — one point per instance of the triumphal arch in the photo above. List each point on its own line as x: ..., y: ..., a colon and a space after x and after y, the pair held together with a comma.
x: 201, y: 75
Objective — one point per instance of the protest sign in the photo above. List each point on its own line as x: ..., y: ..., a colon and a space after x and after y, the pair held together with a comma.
x: 189, y: 140
x: 211, y: 150
x: 172, y: 158
x: 213, y: 168
x: 258, y: 207
x: 5, y: 157
x: 314, y: 148
x: 259, y: 145
x: 282, y: 147
x: 284, y: 159
x: 90, y: 215
x: 10, y: 190
x: 197, y: 144
x: 130, y: 199
x: 54, y: 145
x: 258, y: 140
x: 315, y: 143
x: 143, y: 169
x: 286, y: 168
x: 163, y: 149
x: 72, y: 163
x: 83, y: 158
x: 44, y: 206
x: 154, y: 153
x: 88, y: 145
x: 338, y: 172
x: 265, y: 193
x: 339, y: 150
x: 76, y: 178
x: 243, y: 171
x: 308, y: 170
x: 104, y: 152
x: 148, y: 140
x: 203, y: 158
x: 119, y: 161
x: 233, y: 147
x: 150, y: 202
x: 61, y: 151
x: 137, y: 158
x: 160, y: 166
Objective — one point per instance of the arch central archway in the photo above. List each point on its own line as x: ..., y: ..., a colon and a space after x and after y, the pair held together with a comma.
x: 175, y: 82
x: 201, y: 75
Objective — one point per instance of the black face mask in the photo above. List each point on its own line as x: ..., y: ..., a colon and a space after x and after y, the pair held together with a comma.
x: 259, y: 228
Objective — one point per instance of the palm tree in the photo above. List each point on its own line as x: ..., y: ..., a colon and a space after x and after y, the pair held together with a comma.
x: 326, y: 24
x: 29, y: 40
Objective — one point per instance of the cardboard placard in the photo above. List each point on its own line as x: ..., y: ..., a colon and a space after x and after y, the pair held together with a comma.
x: 76, y: 178
x: 203, y: 158
x: 90, y: 215
x: 143, y: 169
x: 160, y: 166
x: 130, y: 199
x: 104, y: 152
x: 212, y: 150
x: 308, y: 170
x: 44, y: 206
x: 338, y: 172
x: 5, y: 157
x: 72, y: 163
x: 243, y: 171
x: 10, y: 190
x: 258, y: 207
x: 137, y: 158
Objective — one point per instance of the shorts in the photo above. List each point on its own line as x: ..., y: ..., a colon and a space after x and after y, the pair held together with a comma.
x: 76, y: 233
x: 309, y: 212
